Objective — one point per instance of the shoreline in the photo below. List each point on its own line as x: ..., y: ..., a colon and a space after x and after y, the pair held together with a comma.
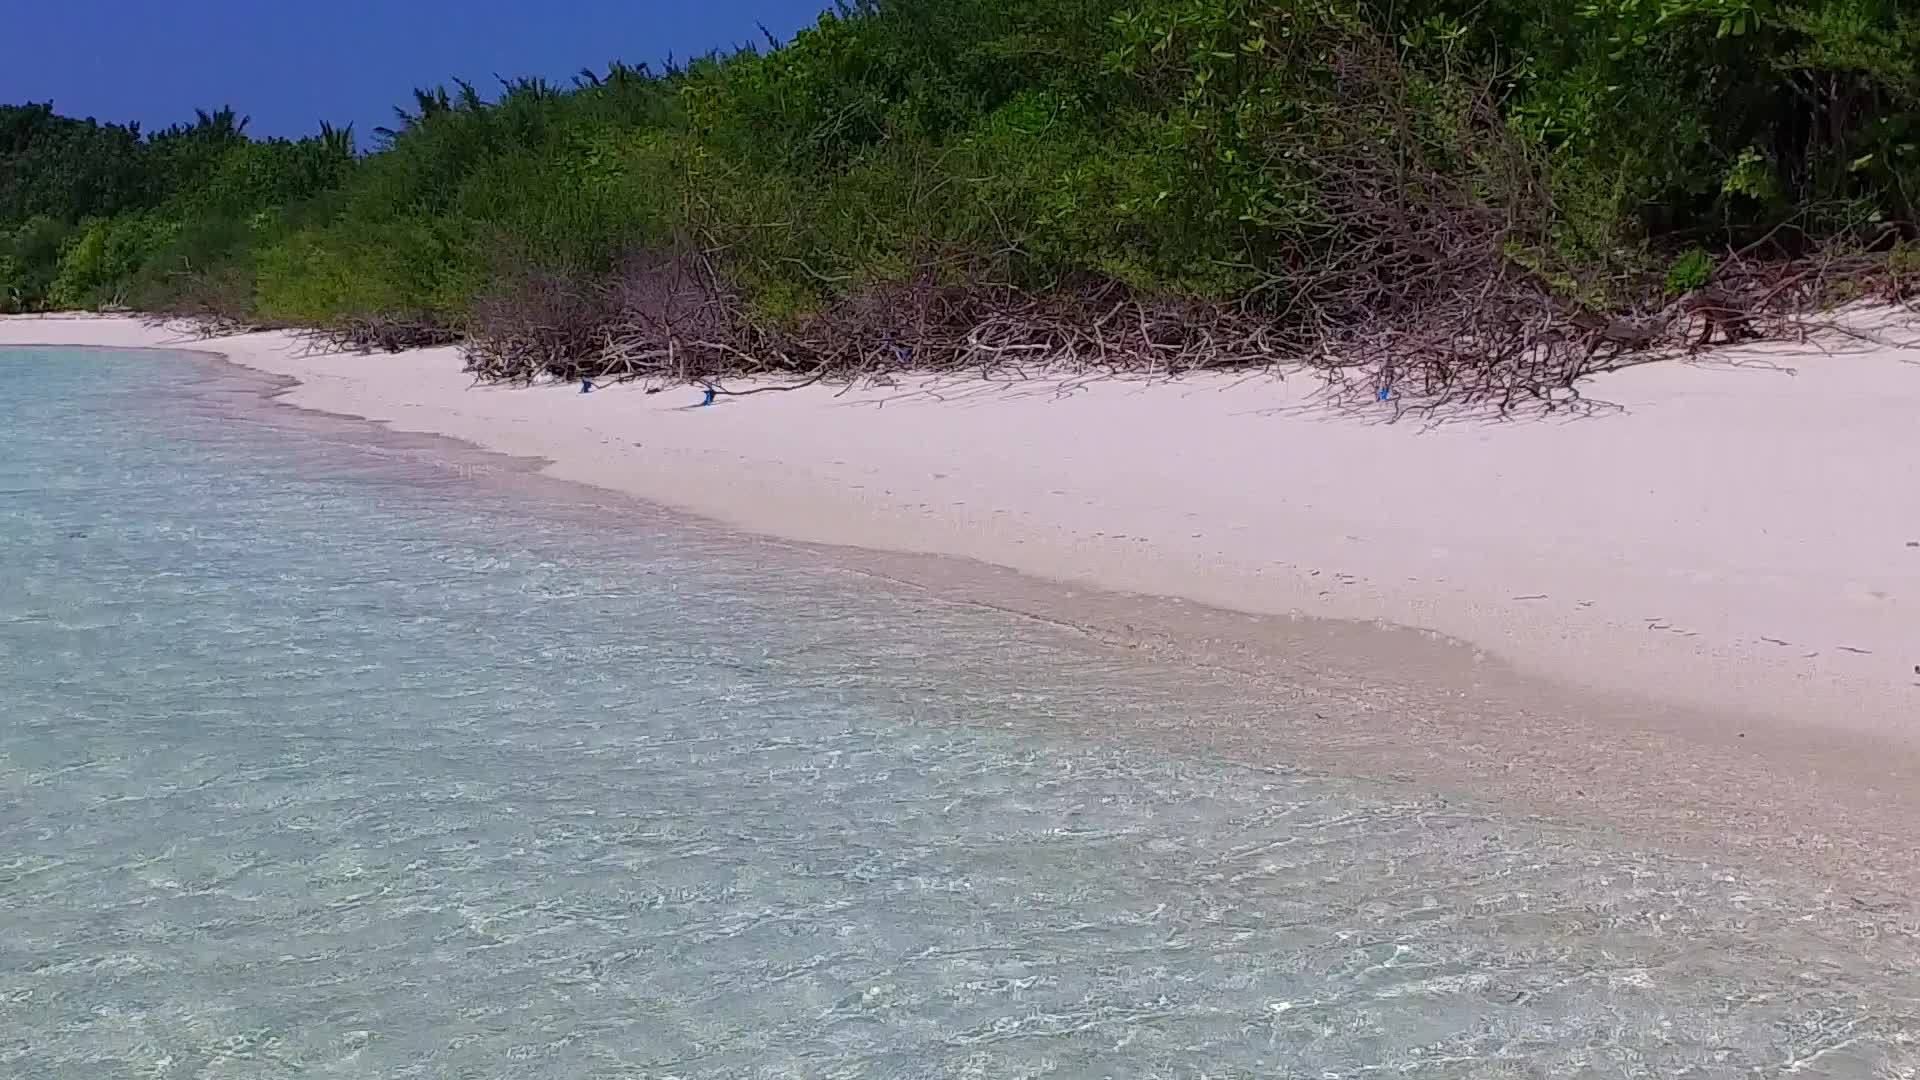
x: 1736, y: 539
x: 1420, y: 700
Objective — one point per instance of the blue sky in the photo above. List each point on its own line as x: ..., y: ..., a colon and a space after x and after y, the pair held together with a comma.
x: 290, y: 65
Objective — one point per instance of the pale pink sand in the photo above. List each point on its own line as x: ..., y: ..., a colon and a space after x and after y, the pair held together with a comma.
x: 1744, y: 539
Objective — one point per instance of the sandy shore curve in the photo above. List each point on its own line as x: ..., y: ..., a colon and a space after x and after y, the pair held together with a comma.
x: 1739, y: 536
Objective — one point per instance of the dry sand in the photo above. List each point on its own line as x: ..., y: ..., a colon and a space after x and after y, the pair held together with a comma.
x: 1740, y: 538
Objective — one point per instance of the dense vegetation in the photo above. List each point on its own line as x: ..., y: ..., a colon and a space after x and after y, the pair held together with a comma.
x: 975, y: 181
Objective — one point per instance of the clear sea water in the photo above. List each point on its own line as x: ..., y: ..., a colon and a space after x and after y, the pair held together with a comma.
x: 316, y: 760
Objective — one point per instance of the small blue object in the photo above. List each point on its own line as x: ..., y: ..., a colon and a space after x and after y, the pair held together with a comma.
x: 711, y: 394
x: 586, y: 386
x: 1382, y: 394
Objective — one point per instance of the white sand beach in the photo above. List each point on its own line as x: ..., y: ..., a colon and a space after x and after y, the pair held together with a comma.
x: 1741, y: 537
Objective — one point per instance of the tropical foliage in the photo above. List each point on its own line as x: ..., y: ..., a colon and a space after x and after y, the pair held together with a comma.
x: 1171, y: 147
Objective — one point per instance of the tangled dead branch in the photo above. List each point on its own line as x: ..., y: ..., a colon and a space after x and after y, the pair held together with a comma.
x: 381, y: 333
x: 669, y: 320
x: 1510, y: 347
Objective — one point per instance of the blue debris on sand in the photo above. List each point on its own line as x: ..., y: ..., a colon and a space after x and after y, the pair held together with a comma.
x: 1382, y: 394
x: 711, y: 393
x: 586, y: 386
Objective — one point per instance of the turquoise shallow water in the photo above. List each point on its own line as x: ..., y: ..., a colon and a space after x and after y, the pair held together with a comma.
x: 316, y: 760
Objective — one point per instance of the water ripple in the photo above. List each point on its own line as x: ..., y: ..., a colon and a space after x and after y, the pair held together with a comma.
x: 309, y: 766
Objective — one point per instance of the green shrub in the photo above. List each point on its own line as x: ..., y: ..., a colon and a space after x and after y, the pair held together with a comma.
x: 12, y: 285
x: 1689, y: 272
x: 98, y: 262
x: 35, y: 251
